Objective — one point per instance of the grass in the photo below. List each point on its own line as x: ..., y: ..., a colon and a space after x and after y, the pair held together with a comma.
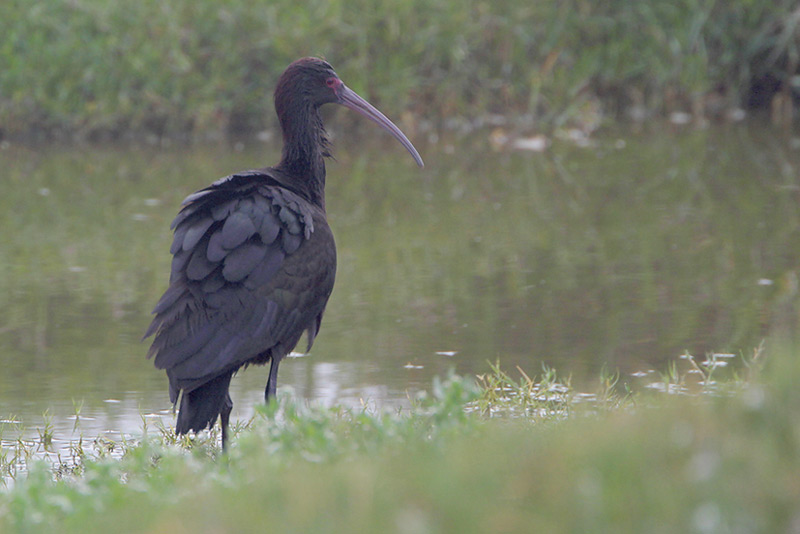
x: 100, y: 69
x: 512, y: 455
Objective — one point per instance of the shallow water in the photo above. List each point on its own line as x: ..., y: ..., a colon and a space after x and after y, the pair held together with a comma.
x: 623, y: 254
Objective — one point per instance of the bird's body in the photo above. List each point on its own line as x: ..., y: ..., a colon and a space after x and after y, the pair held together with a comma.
x: 253, y: 267
x: 254, y: 259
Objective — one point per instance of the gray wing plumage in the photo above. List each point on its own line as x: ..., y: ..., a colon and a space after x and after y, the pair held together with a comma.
x: 237, y: 286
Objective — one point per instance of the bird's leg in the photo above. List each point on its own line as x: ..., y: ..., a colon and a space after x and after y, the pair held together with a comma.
x: 272, y: 381
x: 225, y: 416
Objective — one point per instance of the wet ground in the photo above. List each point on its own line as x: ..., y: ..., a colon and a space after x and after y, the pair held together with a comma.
x: 625, y: 253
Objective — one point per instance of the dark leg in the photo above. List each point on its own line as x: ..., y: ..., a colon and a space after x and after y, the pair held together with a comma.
x: 272, y: 381
x: 225, y: 416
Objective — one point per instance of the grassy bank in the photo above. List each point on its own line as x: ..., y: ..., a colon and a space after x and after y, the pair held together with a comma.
x: 723, y: 463
x: 102, y: 69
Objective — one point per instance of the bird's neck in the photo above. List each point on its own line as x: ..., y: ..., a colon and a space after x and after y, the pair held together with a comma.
x: 304, y: 152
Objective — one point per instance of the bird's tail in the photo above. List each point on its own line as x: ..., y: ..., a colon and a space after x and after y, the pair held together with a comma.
x: 201, y: 406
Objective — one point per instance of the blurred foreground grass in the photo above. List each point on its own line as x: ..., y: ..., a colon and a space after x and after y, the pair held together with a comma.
x: 102, y: 69
x: 726, y: 462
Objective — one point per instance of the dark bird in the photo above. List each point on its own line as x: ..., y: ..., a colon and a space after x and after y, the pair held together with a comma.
x: 254, y: 259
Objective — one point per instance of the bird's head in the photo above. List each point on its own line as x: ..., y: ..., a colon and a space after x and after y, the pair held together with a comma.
x: 312, y: 82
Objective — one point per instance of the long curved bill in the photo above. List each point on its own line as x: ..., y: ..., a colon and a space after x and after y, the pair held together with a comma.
x: 349, y: 99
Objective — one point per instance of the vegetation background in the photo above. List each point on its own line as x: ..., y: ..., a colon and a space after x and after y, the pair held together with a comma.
x: 103, y: 70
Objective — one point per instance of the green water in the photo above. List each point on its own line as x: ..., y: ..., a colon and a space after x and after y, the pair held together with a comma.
x: 623, y: 254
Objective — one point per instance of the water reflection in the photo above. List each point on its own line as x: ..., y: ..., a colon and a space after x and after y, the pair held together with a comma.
x: 127, y: 414
x: 625, y: 255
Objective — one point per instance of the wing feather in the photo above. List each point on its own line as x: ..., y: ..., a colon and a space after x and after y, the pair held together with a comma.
x: 264, y: 271
x: 242, y: 261
x: 238, y: 227
x: 270, y: 227
x: 216, y: 252
x: 290, y: 242
x: 199, y: 267
x: 196, y: 232
x: 224, y: 306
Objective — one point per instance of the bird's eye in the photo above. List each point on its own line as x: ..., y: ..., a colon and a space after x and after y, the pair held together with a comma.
x: 332, y: 82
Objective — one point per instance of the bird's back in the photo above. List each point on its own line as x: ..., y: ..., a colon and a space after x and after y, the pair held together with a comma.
x: 253, y: 267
